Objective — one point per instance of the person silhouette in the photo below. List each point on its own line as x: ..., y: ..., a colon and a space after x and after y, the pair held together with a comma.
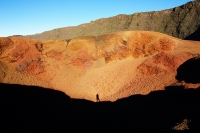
x: 97, y: 98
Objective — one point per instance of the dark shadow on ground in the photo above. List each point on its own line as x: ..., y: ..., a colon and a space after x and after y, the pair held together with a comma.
x: 189, y: 71
x: 194, y: 36
x: 35, y: 109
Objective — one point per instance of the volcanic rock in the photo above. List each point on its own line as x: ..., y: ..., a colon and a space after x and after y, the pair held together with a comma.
x: 114, y: 65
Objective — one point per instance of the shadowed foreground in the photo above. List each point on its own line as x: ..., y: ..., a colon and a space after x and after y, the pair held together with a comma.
x: 189, y: 71
x: 34, y: 109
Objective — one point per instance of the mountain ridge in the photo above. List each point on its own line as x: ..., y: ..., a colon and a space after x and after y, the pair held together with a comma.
x: 179, y: 22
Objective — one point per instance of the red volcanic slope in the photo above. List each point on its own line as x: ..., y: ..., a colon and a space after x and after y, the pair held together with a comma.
x: 114, y: 65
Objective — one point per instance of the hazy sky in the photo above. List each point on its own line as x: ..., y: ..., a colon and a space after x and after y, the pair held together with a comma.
x: 25, y: 17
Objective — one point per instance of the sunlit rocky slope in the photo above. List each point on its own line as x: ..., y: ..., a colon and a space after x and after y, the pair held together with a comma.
x: 114, y: 65
x: 181, y: 22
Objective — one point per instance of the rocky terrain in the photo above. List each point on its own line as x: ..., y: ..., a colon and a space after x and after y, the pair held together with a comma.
x: 181, y: 22
x: 141, y: 81
x: 114, y: 65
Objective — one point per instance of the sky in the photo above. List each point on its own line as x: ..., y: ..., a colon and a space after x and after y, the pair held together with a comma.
x: 27, y: 17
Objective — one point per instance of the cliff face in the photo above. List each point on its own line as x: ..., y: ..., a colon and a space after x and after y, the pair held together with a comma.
x: 179, y: 22
x: 114, y: 65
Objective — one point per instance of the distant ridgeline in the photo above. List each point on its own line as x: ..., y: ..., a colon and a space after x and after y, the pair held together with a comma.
x: 16, y: 36
x: 181, y: 22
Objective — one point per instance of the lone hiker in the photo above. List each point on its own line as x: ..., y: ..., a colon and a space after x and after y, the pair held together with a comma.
x: 97, y: 98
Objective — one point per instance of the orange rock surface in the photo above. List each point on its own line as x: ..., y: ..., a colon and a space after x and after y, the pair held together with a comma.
x: 114, y: 65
